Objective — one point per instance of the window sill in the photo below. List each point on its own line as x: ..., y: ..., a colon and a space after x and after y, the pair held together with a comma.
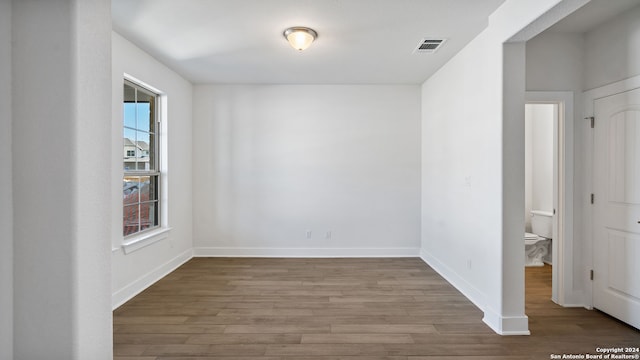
x: 145, y: 240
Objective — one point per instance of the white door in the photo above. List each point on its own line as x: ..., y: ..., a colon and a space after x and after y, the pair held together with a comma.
x: 616, y: 210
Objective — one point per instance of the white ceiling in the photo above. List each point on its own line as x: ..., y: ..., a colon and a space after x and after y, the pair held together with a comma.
x: 359, y: 41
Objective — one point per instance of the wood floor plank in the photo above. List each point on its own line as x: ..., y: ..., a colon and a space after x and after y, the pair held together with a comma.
x: 168, y: 329
x: 384, y: 329
x: 129, y: 349
x: 206, y: 350
x: 367, y: 357
x: 350, y: 338
x: 341, y: 309
x: 492, y: 357
x: 342, y: 350
x: 244, y: 339
x: 277, y: 329
x: 221, y: 357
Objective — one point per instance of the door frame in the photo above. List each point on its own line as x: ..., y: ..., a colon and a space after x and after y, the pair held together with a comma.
x: 563, y: 243
x: 589, y: 97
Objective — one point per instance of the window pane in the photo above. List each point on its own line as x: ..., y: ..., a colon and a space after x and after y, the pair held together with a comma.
x: 130, y: 190
x: 129, y: 106
x: 131, y: 222
x: 129, y: 93
x: 128, y: 151
x: 138, y: 151
x: 129, y: 134
x: 143, y: 114
x: 148, y: 188
x: 130, y: 115
x: 148, y: 215
x: 142, y: 151
x: 144, y: 185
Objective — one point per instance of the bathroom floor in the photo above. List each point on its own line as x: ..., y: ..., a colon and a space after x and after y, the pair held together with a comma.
x: 538, y: 283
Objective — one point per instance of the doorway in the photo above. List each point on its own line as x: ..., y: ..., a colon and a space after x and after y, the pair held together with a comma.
x: 561, y: 202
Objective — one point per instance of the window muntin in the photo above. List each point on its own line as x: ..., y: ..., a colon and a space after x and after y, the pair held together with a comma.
x: 141, y: 180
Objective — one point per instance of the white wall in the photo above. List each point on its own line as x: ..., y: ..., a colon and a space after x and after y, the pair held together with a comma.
x: 472, y: 164
x: 6, y: 199
x: 136, y: 270
x: 539, y: 119
x: 271, y: 162
x: 61, y: 100
x: 612, y: 50
x: 555, y: 62
x: 461, y: 170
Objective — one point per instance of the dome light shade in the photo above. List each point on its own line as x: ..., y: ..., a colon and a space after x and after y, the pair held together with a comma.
x: 300, y: 37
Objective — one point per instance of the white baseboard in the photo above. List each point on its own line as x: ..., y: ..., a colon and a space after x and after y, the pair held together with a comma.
x: 502, y: 325
x: 304, y: 252
x: 574, y: 298
x: 137, y: 286
x: 506, y: 325
x: 468, y: 290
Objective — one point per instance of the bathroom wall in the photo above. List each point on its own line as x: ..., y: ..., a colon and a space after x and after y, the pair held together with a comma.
x: 528, y: 164
x: 539, y: 162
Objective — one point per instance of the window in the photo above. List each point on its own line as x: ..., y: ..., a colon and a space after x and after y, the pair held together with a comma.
x: 141, y: 180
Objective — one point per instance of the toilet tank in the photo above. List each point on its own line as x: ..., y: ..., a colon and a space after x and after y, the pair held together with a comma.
x: 542, y: 223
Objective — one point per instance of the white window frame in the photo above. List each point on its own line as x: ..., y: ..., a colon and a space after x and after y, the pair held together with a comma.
x: 149, y: 236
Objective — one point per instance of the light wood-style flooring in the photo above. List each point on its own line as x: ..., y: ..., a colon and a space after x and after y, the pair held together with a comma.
x: 341, y: 309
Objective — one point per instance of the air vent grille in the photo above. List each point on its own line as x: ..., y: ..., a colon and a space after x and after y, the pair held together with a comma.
x: 429, y: 45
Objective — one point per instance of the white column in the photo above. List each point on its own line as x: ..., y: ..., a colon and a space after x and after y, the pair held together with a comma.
x: 61, y: 144
x: 514, y: 321
x: 6, y: 202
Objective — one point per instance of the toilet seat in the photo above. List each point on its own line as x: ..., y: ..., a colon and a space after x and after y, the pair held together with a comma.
x: 530, y: 239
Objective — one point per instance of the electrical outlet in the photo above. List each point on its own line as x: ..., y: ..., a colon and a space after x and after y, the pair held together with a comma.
x: 469, y: 264
x: 308, y: 234
x: 328, y: 235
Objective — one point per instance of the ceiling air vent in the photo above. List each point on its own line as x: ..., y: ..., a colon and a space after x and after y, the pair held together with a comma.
x: 429, y: 45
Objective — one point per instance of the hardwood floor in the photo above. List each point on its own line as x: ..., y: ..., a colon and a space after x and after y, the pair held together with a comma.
x: 341, y: 309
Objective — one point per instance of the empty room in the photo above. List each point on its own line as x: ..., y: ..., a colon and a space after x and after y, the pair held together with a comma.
x: 315, y: 179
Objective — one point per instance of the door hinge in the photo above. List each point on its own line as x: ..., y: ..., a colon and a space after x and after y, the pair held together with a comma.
x: 590, y: 274
x: 592, y: 120
x: 593, y: 198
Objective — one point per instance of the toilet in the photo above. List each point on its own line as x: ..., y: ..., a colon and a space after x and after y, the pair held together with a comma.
x: 536, y: 244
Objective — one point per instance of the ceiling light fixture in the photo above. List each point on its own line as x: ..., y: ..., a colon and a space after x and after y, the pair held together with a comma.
x: 300, y: 37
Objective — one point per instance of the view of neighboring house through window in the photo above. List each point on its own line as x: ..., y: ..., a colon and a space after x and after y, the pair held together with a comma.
x: 141, y: 181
